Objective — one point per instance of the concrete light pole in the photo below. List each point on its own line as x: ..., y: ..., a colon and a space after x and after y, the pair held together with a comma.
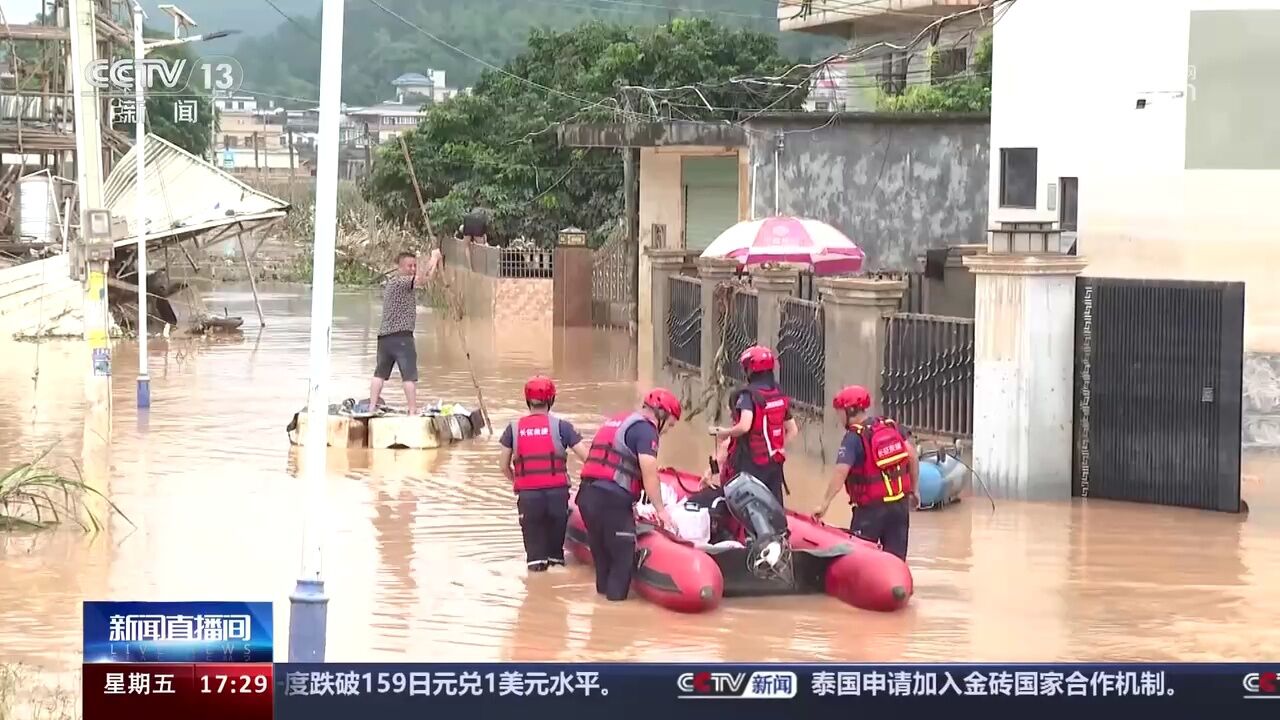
x: 140, y: 50
x: 308, y: 606
x: 89, y: 188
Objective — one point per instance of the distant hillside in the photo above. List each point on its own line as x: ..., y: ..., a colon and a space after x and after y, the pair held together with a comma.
x: 280, y: 60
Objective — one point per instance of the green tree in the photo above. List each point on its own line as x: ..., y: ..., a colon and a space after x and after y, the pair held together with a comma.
x: 498, y: 145
x: 286, y: 62
x: 162, y: 109
x: 970, y: 92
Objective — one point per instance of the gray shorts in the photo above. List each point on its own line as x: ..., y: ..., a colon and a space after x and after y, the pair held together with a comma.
x: 397, y: 351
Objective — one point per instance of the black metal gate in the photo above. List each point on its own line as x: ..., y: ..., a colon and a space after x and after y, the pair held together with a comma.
x: 1158, y: 391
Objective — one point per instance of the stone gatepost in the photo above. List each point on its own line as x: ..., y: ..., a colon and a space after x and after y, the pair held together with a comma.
x: 713, y: 271
x: 855, y: 311
x: 771, y: 286
x: 1024, y: 335
x: 654, y: 341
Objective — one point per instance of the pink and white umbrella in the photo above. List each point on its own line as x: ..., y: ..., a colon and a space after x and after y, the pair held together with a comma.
x: 789, y: 240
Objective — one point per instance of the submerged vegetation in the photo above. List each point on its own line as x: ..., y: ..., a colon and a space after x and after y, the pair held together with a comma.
x: 34, y: 496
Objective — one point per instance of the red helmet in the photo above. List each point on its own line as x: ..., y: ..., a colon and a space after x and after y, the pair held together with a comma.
x: 757, y: 358
x: 540, y: 390
x: 664, y: 400
x: 853, y: 397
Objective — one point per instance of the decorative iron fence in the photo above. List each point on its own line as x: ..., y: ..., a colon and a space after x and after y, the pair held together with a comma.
x: 802, y: 352
x: 739, y: 327
x: 927, y: 381
x: 525, y: 264
x: 684, y: 322
x: 613, y: 284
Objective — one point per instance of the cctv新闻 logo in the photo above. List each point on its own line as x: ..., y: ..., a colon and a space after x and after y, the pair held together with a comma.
x: 214, y: 73
x: 1262, y: 686
x: 761, y: 684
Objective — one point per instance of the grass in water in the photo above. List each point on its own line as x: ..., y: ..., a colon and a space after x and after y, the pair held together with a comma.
x: 33, y: 496
x: 23, y: 696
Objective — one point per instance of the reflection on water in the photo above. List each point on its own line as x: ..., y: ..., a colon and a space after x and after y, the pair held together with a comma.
x: 424, y: 560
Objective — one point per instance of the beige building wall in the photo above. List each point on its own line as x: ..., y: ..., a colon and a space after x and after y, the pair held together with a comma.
x: 662, y: 203
x: 1143, y: 212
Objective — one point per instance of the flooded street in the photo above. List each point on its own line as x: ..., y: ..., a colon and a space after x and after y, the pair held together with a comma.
x: 424, y: 561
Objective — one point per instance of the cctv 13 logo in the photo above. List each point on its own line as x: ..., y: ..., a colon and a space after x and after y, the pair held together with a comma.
x: 758, y: 685
x: 1262, y: 686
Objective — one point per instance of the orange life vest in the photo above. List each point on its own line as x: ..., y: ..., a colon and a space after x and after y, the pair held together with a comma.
x: 537, y: 453
x: 610, y: 459
x: 765, y: 439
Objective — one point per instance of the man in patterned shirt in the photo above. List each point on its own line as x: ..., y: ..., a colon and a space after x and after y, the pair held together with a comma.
x: 399, y: 318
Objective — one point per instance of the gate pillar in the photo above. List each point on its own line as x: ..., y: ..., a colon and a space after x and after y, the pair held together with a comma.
x: 1024, y: 337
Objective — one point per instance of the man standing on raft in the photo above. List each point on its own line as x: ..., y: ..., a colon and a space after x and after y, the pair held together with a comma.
x: 621, y: 465
x: 399, y: 319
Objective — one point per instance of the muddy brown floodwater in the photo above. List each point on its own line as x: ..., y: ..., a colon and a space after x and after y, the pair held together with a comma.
x: 423, y: 558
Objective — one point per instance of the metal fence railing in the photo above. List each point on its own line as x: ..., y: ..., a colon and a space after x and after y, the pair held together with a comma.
x: 802, y: 352
x: 927, y: 382
x: 739, y: 325
x: 684, y: 322
x: 525, y: 264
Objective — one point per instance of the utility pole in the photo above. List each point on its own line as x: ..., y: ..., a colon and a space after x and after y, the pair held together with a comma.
x: 140, y: 204
x: 308, y: 606
x: 88, y: 127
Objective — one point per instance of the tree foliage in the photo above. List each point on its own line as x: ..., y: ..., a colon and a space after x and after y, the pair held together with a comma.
x: 379, y: 48
x: 970, y: 92
x: 498, y: 146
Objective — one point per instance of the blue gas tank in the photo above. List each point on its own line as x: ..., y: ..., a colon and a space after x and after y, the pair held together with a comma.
x: 941, y: 481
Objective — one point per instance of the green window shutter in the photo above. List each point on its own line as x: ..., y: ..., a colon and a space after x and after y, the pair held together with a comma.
x: 710, y: 198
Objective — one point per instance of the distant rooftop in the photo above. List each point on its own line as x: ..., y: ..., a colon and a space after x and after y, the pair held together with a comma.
x: 412, y: 79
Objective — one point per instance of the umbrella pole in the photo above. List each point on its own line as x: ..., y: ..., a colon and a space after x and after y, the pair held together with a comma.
x: 777, y: 175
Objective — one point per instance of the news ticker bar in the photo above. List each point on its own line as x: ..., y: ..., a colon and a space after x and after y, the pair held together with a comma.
x: 383, y: 691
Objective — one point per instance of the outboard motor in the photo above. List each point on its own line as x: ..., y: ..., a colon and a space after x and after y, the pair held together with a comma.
x: 765, y: 520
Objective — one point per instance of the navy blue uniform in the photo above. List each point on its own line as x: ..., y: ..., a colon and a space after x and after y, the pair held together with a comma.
x: 771, y: 473
x: 544, y: 512
x: 608, y: 512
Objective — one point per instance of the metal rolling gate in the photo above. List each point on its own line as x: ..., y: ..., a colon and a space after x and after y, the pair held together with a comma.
x: 1158, y: 378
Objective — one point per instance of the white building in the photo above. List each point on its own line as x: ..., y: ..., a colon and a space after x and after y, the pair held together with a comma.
x: 416, y: 88
x: 1150, y: 127
x: 235, y: 103
x: 855, y: 85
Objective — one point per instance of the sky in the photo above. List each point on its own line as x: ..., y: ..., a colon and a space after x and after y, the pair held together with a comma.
x: 20, y: 11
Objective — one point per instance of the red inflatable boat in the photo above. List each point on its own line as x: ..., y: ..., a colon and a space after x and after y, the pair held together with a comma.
x: 686, y: 578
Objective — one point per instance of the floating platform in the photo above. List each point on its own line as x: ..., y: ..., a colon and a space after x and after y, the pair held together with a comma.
x: 390, y: 430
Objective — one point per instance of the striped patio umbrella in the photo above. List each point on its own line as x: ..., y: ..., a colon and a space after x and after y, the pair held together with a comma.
x: 815, y: 244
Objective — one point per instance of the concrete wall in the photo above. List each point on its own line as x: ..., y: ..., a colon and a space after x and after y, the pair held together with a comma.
x: 897, y: 185
x: 1142, y: 212
x: 527, y: 302
x: 39, y: 297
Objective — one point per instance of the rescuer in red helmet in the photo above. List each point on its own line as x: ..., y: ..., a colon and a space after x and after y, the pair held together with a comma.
x: 622, y: 463
x: 878, y: 467
x: 534, y: 453
x: 763, y: 424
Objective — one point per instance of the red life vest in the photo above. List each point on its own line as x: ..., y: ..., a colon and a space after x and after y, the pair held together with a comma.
x: 765, y: 439
x: 610, y: 459
x: 885, y: 474
x: 537, y: 453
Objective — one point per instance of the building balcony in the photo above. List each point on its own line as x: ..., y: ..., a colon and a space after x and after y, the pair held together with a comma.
x: 843, y: 17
